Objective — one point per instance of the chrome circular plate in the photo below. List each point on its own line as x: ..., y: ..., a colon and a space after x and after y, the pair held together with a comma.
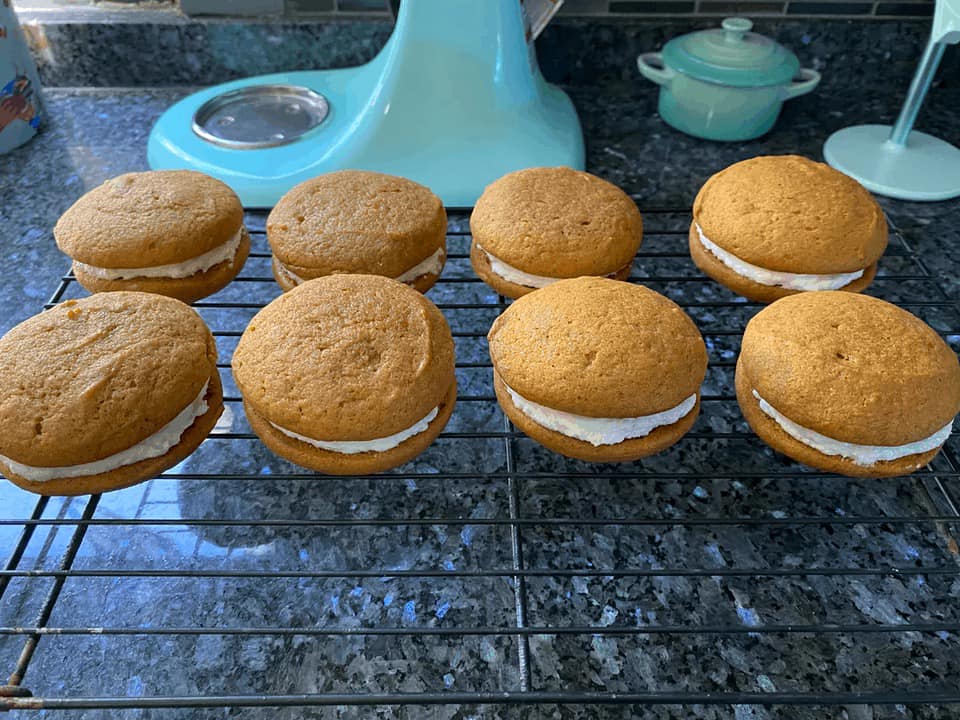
x: 260, y: 116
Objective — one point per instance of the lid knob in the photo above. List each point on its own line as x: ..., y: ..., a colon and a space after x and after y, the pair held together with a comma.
x: 735, y: 28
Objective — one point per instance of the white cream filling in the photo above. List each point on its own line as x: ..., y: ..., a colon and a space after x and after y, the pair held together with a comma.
x: 791, y: 281
x: 599, y: 431
x: 289, y: 274
x: 178, y: 270
x: 353, y: 447
x: 154, y: 446
x: 859, y: 454
x: 432, y: 266
x: 519, y: 277
x: 515, y: 276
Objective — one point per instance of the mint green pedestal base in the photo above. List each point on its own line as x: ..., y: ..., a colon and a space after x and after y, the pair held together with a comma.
x: 925, y: 168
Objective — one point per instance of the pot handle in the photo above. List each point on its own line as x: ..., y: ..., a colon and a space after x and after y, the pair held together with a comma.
x: 809, y: 79
x: 659, y: 73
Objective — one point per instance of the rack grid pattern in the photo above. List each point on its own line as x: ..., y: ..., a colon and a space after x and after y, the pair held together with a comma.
x: 544, y: 608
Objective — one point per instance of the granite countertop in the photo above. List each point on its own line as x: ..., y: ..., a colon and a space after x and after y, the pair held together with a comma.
x: 98, y: 133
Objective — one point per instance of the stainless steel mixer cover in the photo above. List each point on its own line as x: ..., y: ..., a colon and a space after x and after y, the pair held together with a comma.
x: 260, y: 116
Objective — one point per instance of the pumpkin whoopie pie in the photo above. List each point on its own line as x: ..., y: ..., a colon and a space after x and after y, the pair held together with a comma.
x: 534, y: 227
x: 178, y: 233
x: 598, y: 369
x: 101, y: 393
x: 361, y: 222
x: 347, y: 374
x: 777, y: 225
x: 848, y: 384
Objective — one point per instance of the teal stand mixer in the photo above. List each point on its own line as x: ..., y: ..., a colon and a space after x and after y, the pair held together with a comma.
x: 454, y: 100
x: 898, y: 161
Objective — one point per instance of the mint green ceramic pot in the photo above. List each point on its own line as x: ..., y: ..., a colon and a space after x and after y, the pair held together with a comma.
x: 726, y: 83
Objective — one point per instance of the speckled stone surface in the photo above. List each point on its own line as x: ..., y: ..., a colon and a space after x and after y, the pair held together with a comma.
x: 196, y: 53
x: 570, y: 50
x: 576, y: 517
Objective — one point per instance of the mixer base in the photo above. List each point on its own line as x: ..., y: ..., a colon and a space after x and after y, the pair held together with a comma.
x: 449, y: 109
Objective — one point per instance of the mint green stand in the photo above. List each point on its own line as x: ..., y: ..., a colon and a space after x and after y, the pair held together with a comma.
x: 454, y: 100
x: 898, y: 161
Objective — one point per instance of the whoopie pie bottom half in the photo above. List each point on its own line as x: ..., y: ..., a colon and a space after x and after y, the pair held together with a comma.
x: 712, y: 267
x: 187, y: 289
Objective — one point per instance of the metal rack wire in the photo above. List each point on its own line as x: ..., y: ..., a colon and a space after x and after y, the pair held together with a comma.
x: 541, y: 608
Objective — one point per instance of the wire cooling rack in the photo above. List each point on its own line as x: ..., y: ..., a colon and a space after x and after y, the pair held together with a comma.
x: 490, y: 572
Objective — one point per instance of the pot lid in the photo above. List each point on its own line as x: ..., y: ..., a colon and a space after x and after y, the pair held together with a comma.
x: 731, y: 55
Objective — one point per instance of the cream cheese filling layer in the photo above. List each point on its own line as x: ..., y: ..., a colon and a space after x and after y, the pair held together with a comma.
x: 514, y: 275
x: 859, y: 454
x: 154, y: 446
x: 201, y: 263
x: 353, y: 447
x: 599, y: 431
x: 289, y: 274
x: 431, y: 266
x: 519, y: 277
x: 791, y: 281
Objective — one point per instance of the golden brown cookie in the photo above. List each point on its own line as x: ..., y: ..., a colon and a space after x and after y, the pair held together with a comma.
x: 777, y: 225
x: 172, y: 232
x: 598, y: 369
x: 356, y: 221
x: 347, y: 374
x: 126, y: 382
x: 821, y: 372
x: 536, y: 226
